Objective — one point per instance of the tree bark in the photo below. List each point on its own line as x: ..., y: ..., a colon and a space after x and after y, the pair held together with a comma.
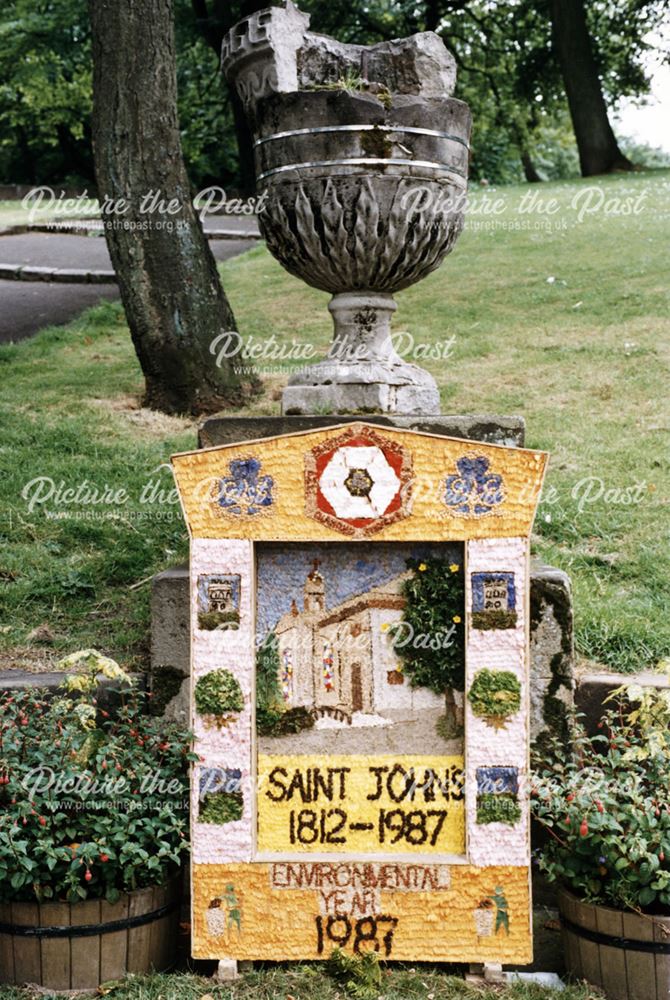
x: 599, y: 152
x: 529, y: 171
x: 170, y: 287
x: 433, y: 15
x: 454, y: 714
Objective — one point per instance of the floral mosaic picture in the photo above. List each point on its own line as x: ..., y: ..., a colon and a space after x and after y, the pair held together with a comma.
x: 360, y: 695
x: 342, y: 659
x: 352, y: 661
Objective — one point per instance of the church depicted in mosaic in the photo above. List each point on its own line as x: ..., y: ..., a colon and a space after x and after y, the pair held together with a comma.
x: 341, y: 660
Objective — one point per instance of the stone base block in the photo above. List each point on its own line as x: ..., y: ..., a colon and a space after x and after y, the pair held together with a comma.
x: 552, y: 659
x: 359, y: 398
x: 593, y: 690
x: 170, y: 643
x: 487, y: 427
x: 227, y: 971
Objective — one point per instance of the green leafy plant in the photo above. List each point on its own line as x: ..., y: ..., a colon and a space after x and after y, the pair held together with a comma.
x: 91, y: 804
x: 493, y: 619
x: 359, y: 975
x: 495, y: 695
x: 268, y: 692
x: 218, y: 694
x: 273, y: 718
x: 603, y: 802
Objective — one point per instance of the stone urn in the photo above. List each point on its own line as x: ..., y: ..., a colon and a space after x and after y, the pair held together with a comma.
x: 365, y: 183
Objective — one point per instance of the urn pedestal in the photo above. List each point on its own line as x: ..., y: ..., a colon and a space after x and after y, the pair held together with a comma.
x: 365, y: 190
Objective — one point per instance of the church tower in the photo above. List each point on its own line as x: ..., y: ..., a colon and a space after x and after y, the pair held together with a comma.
x: 315, y: 591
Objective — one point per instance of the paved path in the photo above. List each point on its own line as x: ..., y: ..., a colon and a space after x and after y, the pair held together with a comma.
x: 28, y: 306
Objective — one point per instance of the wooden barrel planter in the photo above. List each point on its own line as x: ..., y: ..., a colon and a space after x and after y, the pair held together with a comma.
x: 626, y: 955
x: 77, y: 946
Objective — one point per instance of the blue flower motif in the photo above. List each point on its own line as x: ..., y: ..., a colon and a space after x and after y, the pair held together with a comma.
x: 245, y: 491
x: 473, y: 490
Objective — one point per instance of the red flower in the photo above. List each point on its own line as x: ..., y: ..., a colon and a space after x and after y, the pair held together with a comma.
x: 600, y: 806
x: 104, y: 857
x: 88, y: 876
x: 43, y: 821
x: 584, y: 828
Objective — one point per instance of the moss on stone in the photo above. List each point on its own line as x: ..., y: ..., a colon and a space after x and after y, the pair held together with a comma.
x: 165, y: 685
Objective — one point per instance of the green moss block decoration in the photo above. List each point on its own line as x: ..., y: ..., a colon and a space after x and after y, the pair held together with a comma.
x: 218, y: 693
x: 495, y: 694
x: 221, y: 808
x: 489, y: 620
x: 222, y: 620
x: 494, y: 808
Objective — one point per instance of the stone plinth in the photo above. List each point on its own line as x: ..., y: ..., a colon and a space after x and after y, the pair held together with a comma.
x: 488, y: 427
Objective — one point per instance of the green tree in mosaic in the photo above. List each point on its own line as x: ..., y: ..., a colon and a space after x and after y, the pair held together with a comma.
x: 430, y: 638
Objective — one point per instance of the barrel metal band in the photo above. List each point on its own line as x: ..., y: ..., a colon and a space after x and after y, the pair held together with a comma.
x: 364, y: 161
x: 630, y: 944
x: 89, y: 930
x: 319, y: 130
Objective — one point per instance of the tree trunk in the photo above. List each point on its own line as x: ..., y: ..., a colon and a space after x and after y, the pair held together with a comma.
x: 454, y: 715
x: 171, y: 292
x: 598, y: 149
x: 433, y: 15
x: 529, y: 171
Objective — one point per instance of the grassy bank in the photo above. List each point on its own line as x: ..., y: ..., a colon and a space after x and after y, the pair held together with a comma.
x: 560, y: 315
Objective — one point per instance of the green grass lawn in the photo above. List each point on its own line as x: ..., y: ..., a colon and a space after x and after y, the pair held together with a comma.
x: 569, y: 327
x: 310, y: 982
